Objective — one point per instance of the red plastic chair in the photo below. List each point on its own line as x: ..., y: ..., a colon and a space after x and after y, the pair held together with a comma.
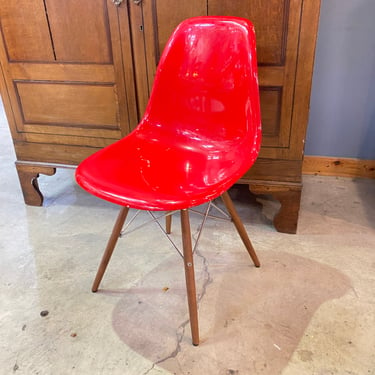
x: 200, y: 133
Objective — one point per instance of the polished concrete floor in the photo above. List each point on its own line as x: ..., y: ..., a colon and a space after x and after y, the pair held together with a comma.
x: 309, y: 309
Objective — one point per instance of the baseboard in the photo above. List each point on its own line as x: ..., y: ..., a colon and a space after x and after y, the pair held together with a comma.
x: 344, y: 167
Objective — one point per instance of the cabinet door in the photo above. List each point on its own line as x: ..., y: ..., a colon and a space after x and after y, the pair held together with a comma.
x: 277, y: 26
x: 68, y: 74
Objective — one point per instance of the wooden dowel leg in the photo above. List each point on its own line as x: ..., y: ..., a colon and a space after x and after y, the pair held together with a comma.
x: 189, y: 276
x: 240, y: 227
x: 110, y: 247
x: 168, y: 224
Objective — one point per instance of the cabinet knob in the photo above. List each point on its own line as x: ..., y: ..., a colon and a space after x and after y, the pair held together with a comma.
x: 117, y: 2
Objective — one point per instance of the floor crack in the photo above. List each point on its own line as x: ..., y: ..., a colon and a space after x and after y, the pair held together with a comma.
x: 180, y: 336
x: 150, y: 369
x: 180, y: 332
x: 207, y: 276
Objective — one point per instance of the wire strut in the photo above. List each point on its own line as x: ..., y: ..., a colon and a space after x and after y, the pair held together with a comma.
x: 206, y: 214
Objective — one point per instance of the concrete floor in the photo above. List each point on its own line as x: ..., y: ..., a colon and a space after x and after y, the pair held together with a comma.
x: 310, y: 308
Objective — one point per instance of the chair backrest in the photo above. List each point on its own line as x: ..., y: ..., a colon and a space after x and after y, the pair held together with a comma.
x: 206, y: 85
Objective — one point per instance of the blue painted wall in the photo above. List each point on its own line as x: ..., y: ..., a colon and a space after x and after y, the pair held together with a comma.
x: 342, y: 111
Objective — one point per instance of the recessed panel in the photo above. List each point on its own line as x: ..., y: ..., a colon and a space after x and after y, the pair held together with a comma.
x: 80, y: 30
x: 25, y: 30
x: 270, y: 104
x: 68, y: 104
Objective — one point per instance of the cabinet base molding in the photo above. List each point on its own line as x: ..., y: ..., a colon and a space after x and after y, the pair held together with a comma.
x: 28, y: 175
x: 341, y: 167
x: 289, y: 196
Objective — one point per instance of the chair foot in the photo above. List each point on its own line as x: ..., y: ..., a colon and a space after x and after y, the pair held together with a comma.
x: 110, y: 247
x: 189, y: 276
x: 240, y: 228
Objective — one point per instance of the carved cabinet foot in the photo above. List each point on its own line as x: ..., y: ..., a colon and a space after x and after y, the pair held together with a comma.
x: 289, y: 195
x: 28, y: 175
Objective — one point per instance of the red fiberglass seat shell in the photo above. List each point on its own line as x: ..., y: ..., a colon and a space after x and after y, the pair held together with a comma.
x: 201, y: 130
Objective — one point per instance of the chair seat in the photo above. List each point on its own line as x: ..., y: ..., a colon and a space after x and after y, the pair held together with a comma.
x: 143, y: 171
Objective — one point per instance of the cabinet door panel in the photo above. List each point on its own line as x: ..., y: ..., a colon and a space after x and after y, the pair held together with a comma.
x: 25, y: 31
x: 270, y: 102
x: 80, y: 33
x: 89, y: 104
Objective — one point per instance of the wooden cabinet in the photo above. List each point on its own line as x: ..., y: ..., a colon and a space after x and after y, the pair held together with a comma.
x: 77, y: 75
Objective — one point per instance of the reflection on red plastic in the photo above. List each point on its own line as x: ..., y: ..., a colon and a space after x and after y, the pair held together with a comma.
x: 201, y: 130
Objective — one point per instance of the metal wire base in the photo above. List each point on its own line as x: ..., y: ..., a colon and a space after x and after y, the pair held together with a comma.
x: 156, y: 219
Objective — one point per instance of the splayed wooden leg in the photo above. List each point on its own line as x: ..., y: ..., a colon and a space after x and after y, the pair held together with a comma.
x: 110, y: 247
x: 189, y: 276
x: 240, y: 227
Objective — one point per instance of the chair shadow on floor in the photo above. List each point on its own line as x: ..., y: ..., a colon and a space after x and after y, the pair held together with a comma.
x: 251, y: 319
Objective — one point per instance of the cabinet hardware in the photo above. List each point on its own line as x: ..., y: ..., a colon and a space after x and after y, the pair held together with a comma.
x: 137, y: 2
x: 117, y: 2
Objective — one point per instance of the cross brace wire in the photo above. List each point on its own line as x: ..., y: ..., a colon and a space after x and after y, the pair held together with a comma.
x: 205, y: 214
